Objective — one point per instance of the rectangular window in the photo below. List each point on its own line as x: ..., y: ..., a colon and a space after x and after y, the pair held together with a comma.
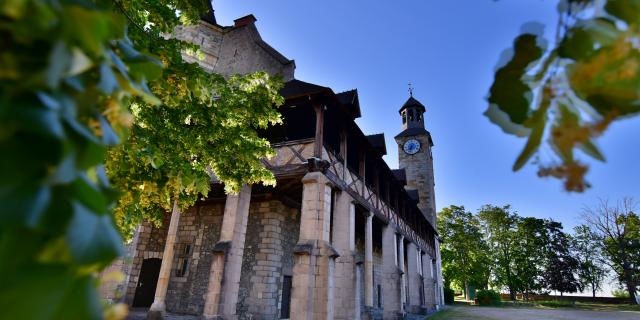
x: 433, y: 268
x: 286, y: 297
x: 379, y: 296
x: 183, y: 265
x: 184, y: 252
x: 331, y: 211
x: 396, y: 250
x: 418, y: 262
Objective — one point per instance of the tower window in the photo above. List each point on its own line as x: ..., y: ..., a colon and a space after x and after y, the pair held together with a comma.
x: 410, y: 115
x: 419, y: 116
x: 404, y: 117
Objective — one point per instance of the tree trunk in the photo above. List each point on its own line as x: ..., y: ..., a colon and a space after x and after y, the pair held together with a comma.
x: 466, y: 290
x: 512, y: 294
x: 561, y: 293
x: 631, y: 288
x: 593, y: 289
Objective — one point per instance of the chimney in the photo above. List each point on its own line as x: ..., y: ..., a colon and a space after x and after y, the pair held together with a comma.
x: 241, y: 22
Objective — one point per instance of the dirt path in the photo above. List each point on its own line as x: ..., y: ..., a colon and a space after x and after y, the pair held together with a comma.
x: 488, y: 313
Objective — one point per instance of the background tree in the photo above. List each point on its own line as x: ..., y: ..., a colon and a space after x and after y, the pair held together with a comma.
x: 618, y: 230
x: 592, y: 270
x: 463, y: 250
x: 571, y: 92
x: 561, y: 266
x: 205, y: 123
x: 499, y: 225
x: 529, y: 254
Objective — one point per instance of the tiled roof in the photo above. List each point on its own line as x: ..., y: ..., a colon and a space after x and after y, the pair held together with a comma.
x: 412, y: 102
x: 378, y: 143
x: 414, y: 132
x: 400, y: 174
x: 413, y: 194
x: 350, y: 100
x: 296, y: 88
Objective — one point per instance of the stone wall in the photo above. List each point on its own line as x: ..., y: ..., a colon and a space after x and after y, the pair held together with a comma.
x: 234, y: 50
x: 420, y: 176
x: 198, y: 231
x: 272, y: 232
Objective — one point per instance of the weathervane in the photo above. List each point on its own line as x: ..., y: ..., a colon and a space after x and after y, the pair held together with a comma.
x: 410, y: 90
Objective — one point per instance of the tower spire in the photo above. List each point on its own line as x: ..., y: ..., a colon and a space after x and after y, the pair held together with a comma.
x: 410, y: 90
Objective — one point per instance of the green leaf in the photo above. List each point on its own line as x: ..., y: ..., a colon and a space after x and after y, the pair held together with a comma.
x: 109, y: 137
x: 24, y: 205
x: 592, y: 150
x: 586, y: 37
x: 108, y: 82
x: 509, y: 93
x: 627, y: 10
x: 59, y: 60
x: 49, y: 292
x: 92, y: 237
x: 65, y: 171
x: 89, y: 195
x: 537, y: 123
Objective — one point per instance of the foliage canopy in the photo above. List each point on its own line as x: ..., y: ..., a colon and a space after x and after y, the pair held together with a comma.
x: 74, y: 76
x: 571, y: 92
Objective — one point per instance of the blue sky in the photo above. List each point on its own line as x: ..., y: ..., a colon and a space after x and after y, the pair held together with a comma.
x: 448, y: 50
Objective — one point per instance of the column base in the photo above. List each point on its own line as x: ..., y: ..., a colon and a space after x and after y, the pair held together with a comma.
x: 155, y: 315
x: 372, y: 313
x: 157, y: 311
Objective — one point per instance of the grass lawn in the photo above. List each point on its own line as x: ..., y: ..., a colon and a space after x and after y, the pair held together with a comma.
x: 552, y: 304
x: 529, y: 311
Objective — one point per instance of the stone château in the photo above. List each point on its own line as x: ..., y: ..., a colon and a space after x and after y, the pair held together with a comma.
x: 341, y: 236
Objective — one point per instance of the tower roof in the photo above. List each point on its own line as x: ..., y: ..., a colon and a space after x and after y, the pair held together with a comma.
x: 412, y: 102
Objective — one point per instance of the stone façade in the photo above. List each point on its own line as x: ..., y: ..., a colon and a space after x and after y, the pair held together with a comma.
x: 334, y: 269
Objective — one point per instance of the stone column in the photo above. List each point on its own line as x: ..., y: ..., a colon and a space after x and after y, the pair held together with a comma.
x: 427, y: 276
x: 368, y: 261
x: 344, y: 242
x: 439, y: 280
x: 403, y: 277
x: 413, y: 279
x: 158, y: 308
x: 312, y: 292
x: 224, y: 275
x: 391, y: 274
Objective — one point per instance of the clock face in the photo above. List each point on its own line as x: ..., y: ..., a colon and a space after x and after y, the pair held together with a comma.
x: 411, y: 146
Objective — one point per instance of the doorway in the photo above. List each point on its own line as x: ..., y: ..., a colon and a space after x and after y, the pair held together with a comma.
x: 147, y: 281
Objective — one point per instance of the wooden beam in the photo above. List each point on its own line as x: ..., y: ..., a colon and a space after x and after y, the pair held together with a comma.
x: 319, y: 142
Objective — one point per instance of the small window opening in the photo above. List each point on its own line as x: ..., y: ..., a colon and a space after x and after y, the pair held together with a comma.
x: 410, y: 115
x: 286, y: 297
x: 184, y: 252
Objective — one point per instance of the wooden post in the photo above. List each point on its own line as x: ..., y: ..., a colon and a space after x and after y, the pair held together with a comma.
x: 319, y: 142
x: 158, y: 308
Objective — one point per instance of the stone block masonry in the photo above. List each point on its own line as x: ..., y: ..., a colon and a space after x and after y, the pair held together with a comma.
x: 272, y: 232
x: 200, y: 229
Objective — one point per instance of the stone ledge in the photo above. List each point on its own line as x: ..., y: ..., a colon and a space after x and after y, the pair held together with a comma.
x: 315, y: 247
x: 221, y: 247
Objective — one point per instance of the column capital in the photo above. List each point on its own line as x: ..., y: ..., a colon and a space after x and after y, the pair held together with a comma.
x: 315, y: 177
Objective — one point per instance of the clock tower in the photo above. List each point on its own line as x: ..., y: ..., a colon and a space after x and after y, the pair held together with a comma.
x: 414, y: 156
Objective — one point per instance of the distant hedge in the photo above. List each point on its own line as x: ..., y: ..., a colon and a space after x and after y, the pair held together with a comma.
x: 448, y: 295
x: 488, y: 298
